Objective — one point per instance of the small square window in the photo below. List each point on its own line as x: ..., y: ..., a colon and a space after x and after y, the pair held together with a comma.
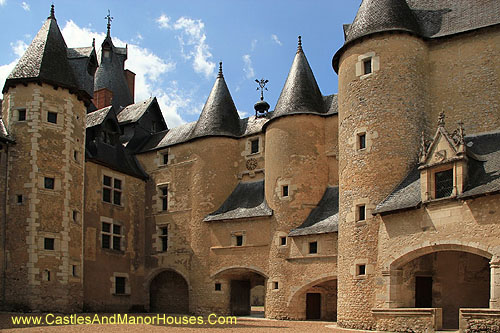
x: 361, y: 269
x: 218, y: 287
x: 283, y: 240
x: 361, y: 213
x: 275, y: 285
x: 255, y: 146
x: 19, y: 199
x: 48, y: 243
x: 284, y: 191
x: 362, y: 141
x: 313, y: 247
x: 52, y: 117
x: 120, y: 285
x: 367, y: 66
x: 48, y: 183
x: 21, y: 115
x: 106, y: 181
x: 239, y: 240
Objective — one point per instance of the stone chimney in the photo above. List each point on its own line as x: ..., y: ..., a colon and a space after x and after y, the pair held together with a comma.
x: 102, y: 98
x: 130, y: 77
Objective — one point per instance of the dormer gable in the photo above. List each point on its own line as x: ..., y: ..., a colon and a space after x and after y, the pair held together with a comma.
x: 443, y: 163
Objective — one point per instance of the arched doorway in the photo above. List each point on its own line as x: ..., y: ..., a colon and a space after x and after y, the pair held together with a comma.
x: 317, y: 300
x: 169, y: 293
x: 245, y: 294
x: 449, y: 280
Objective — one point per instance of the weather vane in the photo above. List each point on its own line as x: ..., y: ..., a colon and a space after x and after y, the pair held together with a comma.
x: 109, y: 18
x: 262, y: 87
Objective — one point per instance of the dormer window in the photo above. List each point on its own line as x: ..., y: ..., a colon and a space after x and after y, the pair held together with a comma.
x: 106, y: 53
x: 443, y: 181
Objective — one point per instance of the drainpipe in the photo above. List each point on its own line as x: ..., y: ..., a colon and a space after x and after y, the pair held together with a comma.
x: 4, y: 227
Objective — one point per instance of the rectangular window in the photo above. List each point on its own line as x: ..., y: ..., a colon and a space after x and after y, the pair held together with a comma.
x: 75, y: 155
x: 313, y: 247
x: 276, y: 285
x: 164, y: 197
x: 362, y: 141
x: 367, y: 66
x: 361, y: 269
x: 283, y: 240
x: 239, y: 240
x: 48, y: 183
x: 19, y: 199
x: 52, y: 117
x: 444, y: 183
x: 73, y: 271
x: 120, y: 285
x: 164, y: 238
x: 255, y: 146
x: 361, y: 213
x: 21, y: 115
x: 75, y: 216
x: 284, y: 191
x: 48, y: 243
x: 112, y: 190
x: 111, y: 236
x: 218, y: 287
x: 164, y: 158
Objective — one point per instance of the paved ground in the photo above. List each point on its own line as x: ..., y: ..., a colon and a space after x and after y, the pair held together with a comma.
x: 243, y: 324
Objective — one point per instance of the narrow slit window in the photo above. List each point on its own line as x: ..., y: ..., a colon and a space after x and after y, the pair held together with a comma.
x: 164, y: 198
x: 362, y: 141
x: 361, y: 213
x: 164, y: 238
x: 284, y: 191
x: 164, y: 158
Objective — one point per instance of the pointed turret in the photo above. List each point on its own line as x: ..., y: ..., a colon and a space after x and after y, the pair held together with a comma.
x: 219, y: 116
x: 45, y: 60
x: 300, y: 93
x: 382, y: 15
x: 111, y: 74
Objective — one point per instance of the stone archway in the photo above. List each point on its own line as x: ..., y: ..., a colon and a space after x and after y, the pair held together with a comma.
x: 316, y: 300
x: 169, y: 293
x: 445, y: 277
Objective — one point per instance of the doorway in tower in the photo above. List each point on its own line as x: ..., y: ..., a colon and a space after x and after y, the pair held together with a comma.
x: 169, y: 293
x: 246, y: 294
x: 449, y: 280
x: 313, y: 306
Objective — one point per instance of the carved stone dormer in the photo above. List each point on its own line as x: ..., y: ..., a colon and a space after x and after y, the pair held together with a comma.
x: 443, y: 163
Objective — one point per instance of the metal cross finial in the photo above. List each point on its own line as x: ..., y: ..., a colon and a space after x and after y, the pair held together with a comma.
x: 441, y: 119
x: 299, y: 47
x: 220, y: 75
x: 93, y: 42
x: 262, y: 87
x: 109, y: 18
x: 52, y: 15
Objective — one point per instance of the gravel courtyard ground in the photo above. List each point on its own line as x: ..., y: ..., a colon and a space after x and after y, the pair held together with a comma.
x: 243, y: 324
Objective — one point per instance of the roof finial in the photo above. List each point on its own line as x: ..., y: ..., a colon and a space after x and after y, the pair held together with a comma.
x: 220, y: 75
x: 93, y: 42
x: 109, y: 18
x: 299, y: 48
x: 52, y: 15
x: 262, y: 87
x: 441, y: 119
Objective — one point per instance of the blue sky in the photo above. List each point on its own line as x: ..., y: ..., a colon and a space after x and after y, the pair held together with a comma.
x: 175, y: 46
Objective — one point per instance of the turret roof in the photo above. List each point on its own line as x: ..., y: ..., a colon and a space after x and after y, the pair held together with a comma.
x: 219, y: 115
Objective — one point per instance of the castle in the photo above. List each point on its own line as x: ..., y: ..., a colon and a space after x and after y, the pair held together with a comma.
x: 376, y: 207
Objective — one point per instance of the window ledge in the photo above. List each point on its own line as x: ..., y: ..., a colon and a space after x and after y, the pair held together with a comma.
x: 115, y: 294
x: 213, y: 248
x: 308, y: 256
x: 438, y: 200
x: 113, y: 205
x: 113, y: 252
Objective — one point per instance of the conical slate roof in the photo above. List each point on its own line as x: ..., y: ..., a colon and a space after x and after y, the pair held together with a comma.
x: 301, y: 93
x: 45, y: 60
x: 219, y: 115
x: 110, y: 74
x: 382, y: 15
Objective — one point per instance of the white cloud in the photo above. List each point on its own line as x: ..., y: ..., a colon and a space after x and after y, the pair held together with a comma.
x: 276, y: 39
x: 242, y: 114
x: 3, y: 2
x: 19, y: 47
x: 150, y: 71
x: 163, y: 21
x: 248, y: 69
x: 253, y: 45
x: 25, y: 6
x: 5, y: 71
x: 192, y: 35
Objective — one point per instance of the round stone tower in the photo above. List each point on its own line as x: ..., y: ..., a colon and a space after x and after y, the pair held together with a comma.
x: 296, y: 169
x: 382, y: 100
x: 44, y: 109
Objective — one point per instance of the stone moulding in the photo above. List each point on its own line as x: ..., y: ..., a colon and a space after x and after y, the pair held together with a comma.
x: 479, y: 320
x: 400, y: 319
